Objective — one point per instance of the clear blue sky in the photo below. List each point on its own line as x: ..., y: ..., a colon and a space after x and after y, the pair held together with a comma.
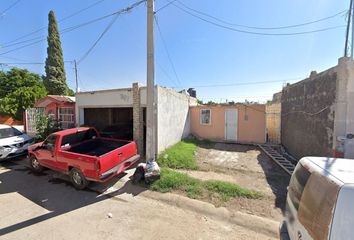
x: 203, y: 54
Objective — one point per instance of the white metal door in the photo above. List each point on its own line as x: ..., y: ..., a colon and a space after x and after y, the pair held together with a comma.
x: 231, y: 124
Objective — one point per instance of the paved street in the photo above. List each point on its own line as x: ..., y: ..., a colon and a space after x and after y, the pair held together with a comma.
x: 46, y: 206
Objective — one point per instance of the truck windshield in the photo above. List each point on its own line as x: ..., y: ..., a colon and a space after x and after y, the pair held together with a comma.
x: 9, y: 132
x: 80, y: 136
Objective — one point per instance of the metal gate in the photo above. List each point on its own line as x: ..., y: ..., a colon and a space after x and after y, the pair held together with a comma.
x: 273, y: 122
x: 31, y: 119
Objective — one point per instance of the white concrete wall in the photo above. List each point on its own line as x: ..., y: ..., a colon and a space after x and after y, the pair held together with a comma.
x: 106, y: 99
x: 344, y: 109
x: 173, y: 121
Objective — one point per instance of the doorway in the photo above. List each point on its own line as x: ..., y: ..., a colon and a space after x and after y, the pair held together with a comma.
x: 231, y: 124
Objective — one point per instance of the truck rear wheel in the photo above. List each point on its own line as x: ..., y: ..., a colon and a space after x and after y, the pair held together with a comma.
x: 78, y: 179
x: 34, y: 164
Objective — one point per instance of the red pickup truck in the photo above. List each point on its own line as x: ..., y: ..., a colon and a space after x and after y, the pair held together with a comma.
x: 83, y: 155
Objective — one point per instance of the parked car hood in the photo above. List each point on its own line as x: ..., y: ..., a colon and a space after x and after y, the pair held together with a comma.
x: 14, y: 140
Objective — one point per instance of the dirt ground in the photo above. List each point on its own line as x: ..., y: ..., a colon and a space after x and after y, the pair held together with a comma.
x: 46, y: 206
x: 247, y: 166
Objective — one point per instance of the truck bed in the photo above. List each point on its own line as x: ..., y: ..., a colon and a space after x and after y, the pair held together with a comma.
x: 97, y: 147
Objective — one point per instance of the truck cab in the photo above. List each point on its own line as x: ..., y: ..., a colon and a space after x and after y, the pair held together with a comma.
x: 84, y: 155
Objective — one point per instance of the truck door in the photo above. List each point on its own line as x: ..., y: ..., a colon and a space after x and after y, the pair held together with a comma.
x: 47, y: 154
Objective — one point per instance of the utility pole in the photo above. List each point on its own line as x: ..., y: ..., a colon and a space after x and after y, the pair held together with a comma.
x: 348, y: 29
x: 150, y: 85
x: 76, y: 80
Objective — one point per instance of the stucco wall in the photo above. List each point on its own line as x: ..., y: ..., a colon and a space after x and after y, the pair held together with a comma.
x: 173, y: 121
x: 106, y: 99
x: 250, y: 129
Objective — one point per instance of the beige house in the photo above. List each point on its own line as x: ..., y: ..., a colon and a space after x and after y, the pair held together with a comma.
x: 243, y: 123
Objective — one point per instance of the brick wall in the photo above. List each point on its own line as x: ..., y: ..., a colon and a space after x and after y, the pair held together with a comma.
x: 138, y: 119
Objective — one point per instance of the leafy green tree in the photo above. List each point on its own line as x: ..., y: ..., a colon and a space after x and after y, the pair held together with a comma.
x: 19, y: 90
x: 211, y: 103
x: 45, y: 125
x: 55, y: 79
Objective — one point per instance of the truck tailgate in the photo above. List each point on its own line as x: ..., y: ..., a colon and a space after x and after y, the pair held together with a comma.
x: 116, y: 157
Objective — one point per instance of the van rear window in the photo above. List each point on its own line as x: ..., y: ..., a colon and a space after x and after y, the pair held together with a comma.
x: 297, y: 184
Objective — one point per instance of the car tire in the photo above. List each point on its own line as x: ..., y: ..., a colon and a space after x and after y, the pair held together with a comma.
x: 78, y: 179
x: 35, y: 165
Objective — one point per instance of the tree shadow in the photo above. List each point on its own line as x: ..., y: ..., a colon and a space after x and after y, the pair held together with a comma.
x: 55, y: 193
x: 277, y: 179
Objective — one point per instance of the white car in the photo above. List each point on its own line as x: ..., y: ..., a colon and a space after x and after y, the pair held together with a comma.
x: 13, y: 142
x: 320, y: 200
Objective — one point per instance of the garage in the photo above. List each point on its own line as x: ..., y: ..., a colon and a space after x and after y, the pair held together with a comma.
x: 111, y: 122
x: 121, y: 113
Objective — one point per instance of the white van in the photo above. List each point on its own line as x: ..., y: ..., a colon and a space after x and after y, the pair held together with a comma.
x: 320, y: 201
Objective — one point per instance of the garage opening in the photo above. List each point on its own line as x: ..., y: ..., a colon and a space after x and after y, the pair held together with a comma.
x: 111, y: 122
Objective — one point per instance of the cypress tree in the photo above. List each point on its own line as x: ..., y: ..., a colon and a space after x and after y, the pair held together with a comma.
x: 55, y: 80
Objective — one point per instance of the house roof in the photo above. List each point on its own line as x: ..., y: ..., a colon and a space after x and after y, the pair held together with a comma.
x: 62, y: 98
x: 43, y: 102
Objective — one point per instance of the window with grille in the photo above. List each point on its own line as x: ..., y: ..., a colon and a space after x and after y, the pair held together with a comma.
x: 66, y: 117
x: 205, y: 117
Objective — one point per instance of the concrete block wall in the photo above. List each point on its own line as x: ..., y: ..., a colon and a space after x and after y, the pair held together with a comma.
x: 308, y: 115
x: 317, y: 110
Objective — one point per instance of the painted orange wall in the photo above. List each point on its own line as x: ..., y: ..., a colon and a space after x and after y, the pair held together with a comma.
x: 5, y: 119
x: 252, y: 130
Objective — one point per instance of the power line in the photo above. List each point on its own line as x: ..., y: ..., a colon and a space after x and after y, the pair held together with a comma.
x: 13, y: 58
x: 66, y: 30
x: 29, y: 63
x: 81, y: 10
x: 17, y: 43
x: 125, y: 10
x: 255, y: 33
x: 246, y: 83
x: 166, y: 5
x: 164, y: 71
x: 23, y: 63
x: 100, y: 37
x: 61, y: 20
x: 260, y: 28
x: 11, y: 6
x: 18, y: 48
x: 167, y: 52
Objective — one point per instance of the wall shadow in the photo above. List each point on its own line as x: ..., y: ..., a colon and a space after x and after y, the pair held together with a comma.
x: 277, y: 179
x: 53, y: 192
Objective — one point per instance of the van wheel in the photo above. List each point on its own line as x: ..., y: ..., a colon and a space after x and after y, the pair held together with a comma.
x: 35, y: 165
x: 78, y: 179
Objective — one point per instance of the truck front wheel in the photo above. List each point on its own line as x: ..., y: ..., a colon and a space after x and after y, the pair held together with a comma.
x: 34, y: 163
x: 78, y: 179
